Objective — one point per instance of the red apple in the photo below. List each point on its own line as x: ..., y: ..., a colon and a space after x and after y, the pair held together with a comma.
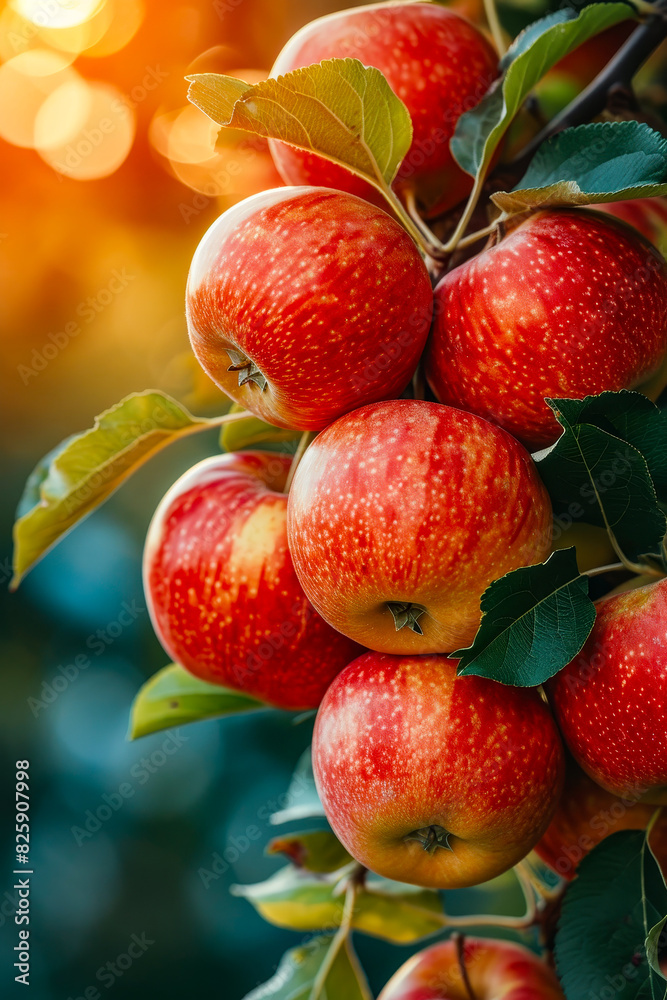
x: 568, y: 304
x: 433, y: 779
x: 304, y: 303
x: 221, y: 590
x: 439, y: 65
x: 611, y: 702
x: 648, y: 215
x: 586, y: 814
x: 402, y: 513
x: 495, y: 970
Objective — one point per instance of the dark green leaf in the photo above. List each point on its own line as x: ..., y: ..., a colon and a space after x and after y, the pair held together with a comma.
x: 304, y: 901
x: 592, y: 164
x: 173, y: 696
x: 302, y: 794
x: 298, y: 969
x: 595, y: 477
x: 338, y: 108
x: 479, y: 131
x: 316, y: 850
x: 608, y: 912
x: 88, y: 468
x: 534, y: 622
x: 631, y: 417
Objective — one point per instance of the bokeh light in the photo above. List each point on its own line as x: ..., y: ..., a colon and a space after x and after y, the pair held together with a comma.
x: 26, y: 81
x: 86, y: 130
x: 57, y: 13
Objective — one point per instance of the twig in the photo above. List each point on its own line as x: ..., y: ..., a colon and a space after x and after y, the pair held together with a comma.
x: 494, y: 26
x: 304, y: 441
x: 618, y: 72
x: 337, y: 942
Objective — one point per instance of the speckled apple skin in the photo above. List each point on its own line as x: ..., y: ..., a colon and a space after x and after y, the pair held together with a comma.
x: 568, y: 304
x: 647, y: 215
x: 401, y: 743
x: 327, y: 294
x: 221, y: 589
x: 497, y: 970
x: 413, y: 501
x: 439, y: 65
x: 586, y: 814
x: 611, y: 701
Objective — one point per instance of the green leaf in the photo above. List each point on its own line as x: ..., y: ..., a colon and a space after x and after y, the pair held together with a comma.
x: 596, y: 477
x: 88, y: 468
x: 608, y: 913
x: 591, y: 164
x: 655, y: 942
x: 303, y: 901
x: 251, y: 431
x: 302, y: 796
x: 298, y: 969
x: 316, y: 850
x: 528, y: 59
x: 534, y: 622
x: 173, y: 697
x: 632, y: 417
x: 338, y: 108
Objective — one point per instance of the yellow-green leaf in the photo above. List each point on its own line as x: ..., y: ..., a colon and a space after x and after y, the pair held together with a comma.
x: 87, y: 468
x: 338, y: 108
x: 299, y: 967
x: 315, y: 850
x: 173, y: 696
x: 304, y: 901
x: 251, y: 431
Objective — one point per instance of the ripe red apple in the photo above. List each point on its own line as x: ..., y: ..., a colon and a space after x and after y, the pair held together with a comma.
x: 439, y: 65
x: 568, y: 304
x: 648, y: 215
x: 611, y: 701
x: 434, y: 779
x: 402, y: 513
x: 221, y: 590
x: 304, y: 303
x: 586, y: 814
x: 496, y: 970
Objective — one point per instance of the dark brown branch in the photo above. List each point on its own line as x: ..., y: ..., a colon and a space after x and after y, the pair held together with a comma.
x: 618, y: 73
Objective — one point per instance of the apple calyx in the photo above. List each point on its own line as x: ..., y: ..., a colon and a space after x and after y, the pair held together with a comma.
x: 406, y: 613
x: 247, y: 369
x: 431, y: 837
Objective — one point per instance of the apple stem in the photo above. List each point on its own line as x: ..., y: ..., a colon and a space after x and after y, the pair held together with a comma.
x: 495, y: 28
x: 454, y: 240
x: 425, y: 239
x: 460, y: 955
x: 304, y: 441
x: 599, y: 570
x: 337, y: 941
x: 480, y: 234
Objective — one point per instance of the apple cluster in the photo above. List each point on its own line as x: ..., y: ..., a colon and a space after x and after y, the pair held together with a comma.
x: 346, y: 581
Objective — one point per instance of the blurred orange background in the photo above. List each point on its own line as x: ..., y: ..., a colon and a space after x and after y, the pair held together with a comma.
x: 109, y: 179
